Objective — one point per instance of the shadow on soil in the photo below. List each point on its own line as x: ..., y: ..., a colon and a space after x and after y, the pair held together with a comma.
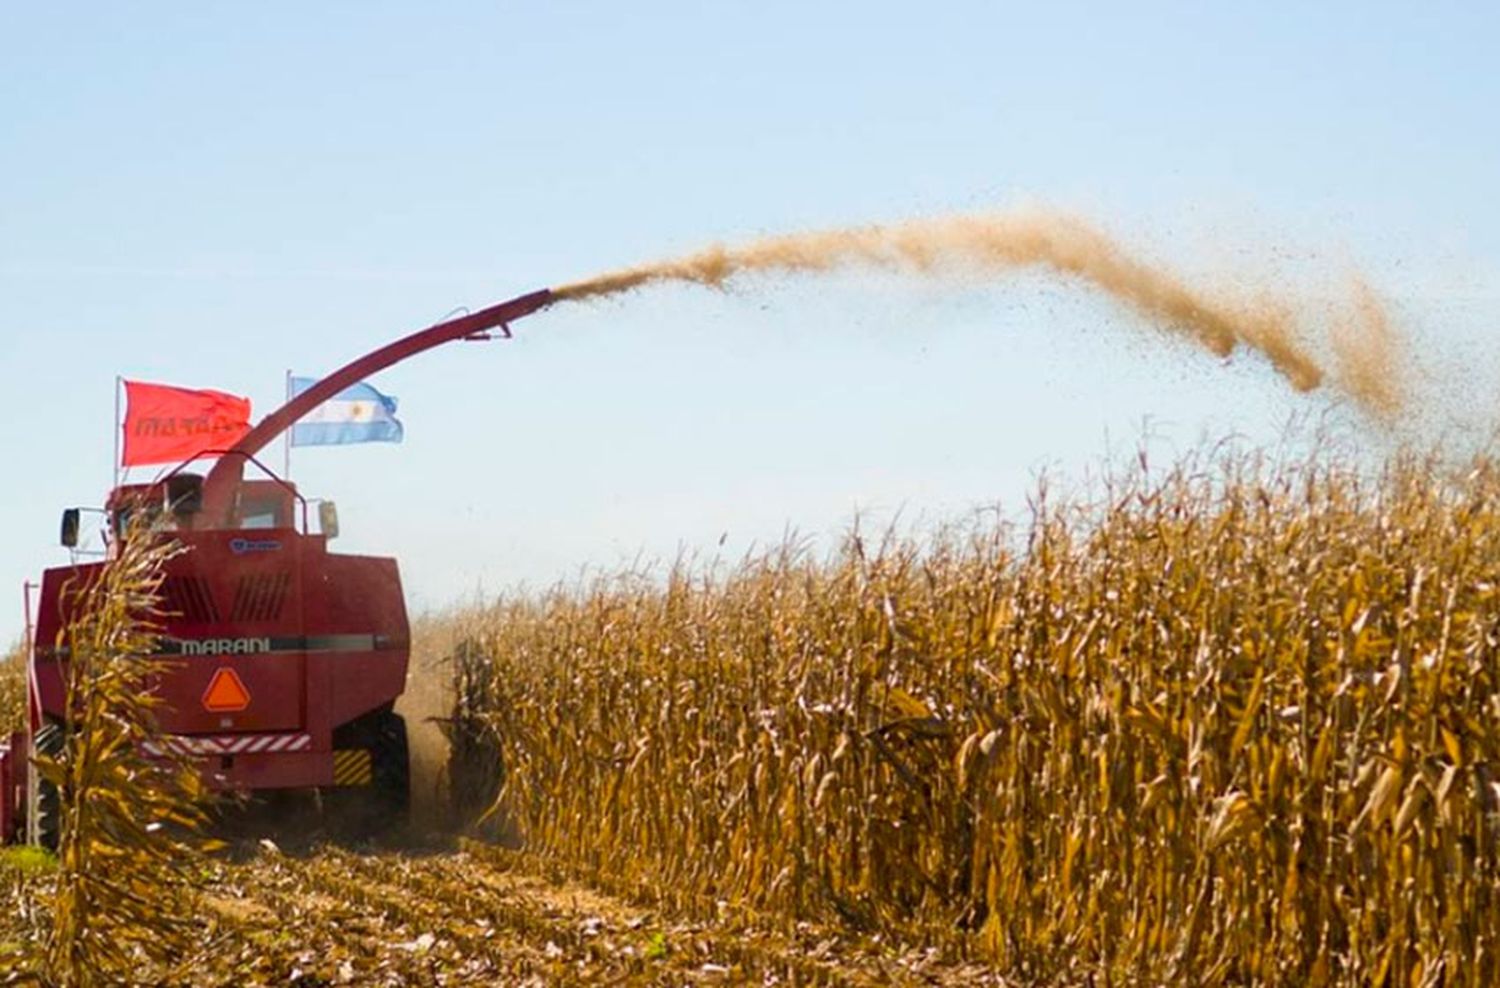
x: 298, y: 823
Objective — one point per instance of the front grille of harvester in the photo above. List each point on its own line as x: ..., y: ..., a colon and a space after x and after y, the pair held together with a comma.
x: 260, y: 596
x: 189, y: 598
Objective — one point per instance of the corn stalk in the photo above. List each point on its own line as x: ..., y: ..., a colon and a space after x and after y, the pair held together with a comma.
x: 128, y: 842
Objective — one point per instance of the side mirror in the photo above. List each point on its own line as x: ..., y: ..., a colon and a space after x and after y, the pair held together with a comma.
x: 184, y: 494
x: 69, y: 535
x: 328, y: 519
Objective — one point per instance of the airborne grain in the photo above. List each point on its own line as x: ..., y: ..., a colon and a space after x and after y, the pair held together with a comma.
x: 1066, y: 246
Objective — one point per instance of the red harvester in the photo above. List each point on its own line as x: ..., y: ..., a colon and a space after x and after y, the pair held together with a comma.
x: 291, y: 656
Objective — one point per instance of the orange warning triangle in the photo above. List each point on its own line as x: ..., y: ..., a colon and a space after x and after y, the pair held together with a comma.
x: 225, y: 692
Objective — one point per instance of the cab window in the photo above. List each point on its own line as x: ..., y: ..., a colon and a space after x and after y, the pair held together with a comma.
x: 261, y: 514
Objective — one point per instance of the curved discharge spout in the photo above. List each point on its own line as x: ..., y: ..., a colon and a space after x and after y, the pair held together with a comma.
x: 1006, y: 242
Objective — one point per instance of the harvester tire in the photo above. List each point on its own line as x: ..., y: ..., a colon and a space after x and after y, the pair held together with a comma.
x: 367, y: 812
x: 390, y: 768
x: 49, y: 741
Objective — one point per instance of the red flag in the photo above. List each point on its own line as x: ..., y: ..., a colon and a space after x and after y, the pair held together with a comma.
x: 164, y: 424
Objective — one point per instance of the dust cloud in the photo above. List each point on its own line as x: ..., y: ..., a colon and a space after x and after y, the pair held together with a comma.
x: 1369, y: 354
x: 427, y: 701
x: 1364, y: 345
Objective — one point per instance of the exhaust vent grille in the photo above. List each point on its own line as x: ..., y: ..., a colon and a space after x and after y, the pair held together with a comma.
x: 188, y: 598
x: 260, y: 596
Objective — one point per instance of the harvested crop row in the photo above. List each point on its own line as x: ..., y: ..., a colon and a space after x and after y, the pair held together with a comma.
x: 476, y: 916
x: 1237, y: 722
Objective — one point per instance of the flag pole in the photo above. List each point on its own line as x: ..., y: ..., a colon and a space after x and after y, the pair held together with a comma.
x: 115, y: 466
x: 286, y: 437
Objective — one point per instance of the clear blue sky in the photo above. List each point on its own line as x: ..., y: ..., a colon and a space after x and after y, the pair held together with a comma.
x: 210, y: 194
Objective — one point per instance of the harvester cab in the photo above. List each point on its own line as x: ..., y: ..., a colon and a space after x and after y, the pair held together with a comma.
x: 176, y: 504
x: 288, y: 659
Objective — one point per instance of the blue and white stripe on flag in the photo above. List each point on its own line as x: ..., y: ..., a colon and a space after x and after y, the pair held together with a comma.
x: 358, y: 414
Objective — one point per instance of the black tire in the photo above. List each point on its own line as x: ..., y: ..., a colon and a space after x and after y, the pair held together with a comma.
x: 362, y: 813
x: 49, y: 741
x: 390, y: 767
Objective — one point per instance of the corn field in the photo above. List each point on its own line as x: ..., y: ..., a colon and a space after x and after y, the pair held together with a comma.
x: 13, y: 691
x: 1232, y: 722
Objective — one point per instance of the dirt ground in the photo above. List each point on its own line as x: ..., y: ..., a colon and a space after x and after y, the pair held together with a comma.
x: 472, y: 914
x: 292, y: 908
x: 441, y: 910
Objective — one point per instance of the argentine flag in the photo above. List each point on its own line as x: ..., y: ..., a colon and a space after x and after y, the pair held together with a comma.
x: 358, y: 414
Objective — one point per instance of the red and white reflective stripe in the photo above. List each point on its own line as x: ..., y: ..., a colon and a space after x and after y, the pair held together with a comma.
x: 229, y: 744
